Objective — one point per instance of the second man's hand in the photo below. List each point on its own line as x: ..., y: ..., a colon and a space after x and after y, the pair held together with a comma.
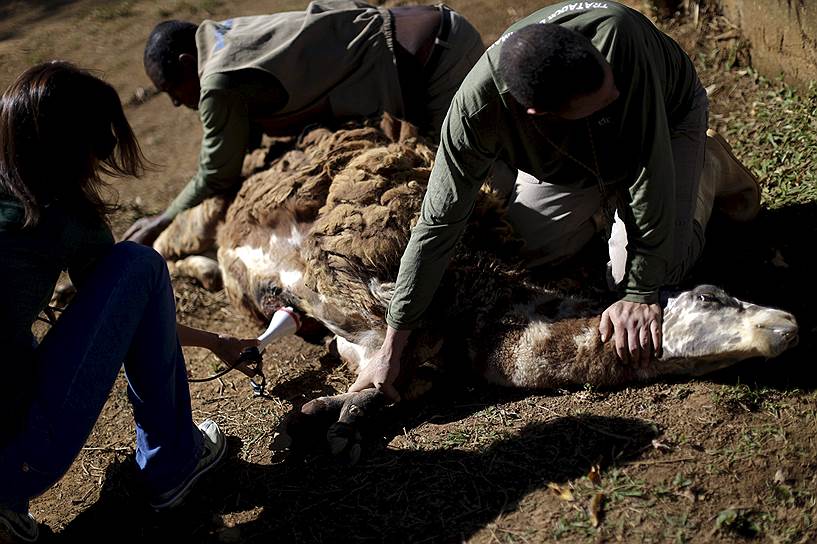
x: 147, y: 229
x: 383, y: 368
x: 635, y: 328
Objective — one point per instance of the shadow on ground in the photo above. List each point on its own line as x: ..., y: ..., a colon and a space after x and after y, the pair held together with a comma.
x: 394, y: 495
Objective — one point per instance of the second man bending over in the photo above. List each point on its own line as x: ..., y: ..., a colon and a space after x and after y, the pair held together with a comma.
x: 336, y: 60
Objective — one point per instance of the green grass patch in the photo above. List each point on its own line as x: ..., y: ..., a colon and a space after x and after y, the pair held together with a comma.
x: 113, y: 10
x: 777, y: 138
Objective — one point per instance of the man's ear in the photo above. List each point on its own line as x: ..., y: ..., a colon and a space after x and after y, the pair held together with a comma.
x: 188, y: 62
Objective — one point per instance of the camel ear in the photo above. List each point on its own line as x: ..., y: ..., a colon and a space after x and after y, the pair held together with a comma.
x: 397, y: 130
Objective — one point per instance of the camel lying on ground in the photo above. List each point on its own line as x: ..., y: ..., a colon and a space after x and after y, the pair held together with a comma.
x: 323, y: 228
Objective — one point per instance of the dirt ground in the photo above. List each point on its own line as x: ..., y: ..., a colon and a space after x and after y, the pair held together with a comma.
x: 728, y: 458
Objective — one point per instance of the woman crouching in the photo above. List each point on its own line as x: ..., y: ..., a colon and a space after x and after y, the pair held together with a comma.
x: 61, y: 129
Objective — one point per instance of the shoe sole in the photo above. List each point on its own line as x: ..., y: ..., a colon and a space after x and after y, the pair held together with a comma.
x: 167, y: 505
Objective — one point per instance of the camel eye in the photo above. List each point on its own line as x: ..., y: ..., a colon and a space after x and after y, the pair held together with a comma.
x: 704, y: 297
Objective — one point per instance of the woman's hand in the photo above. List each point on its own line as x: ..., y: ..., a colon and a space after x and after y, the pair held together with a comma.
x: 636, y: 329
x: 225, y: 347
x: 383, y: 368
x: 229, y: 349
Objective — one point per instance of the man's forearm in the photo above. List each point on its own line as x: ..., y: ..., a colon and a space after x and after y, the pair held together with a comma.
x: 194, y: 193
x: 421, y: 270
x: 646, y: 275
x: 396, y: 340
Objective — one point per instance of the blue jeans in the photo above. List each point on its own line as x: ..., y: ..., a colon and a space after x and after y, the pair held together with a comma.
x: 124, y: 312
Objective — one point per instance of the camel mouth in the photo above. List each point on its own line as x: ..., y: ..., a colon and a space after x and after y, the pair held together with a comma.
x: 791, y: 337
x: 783, y: 337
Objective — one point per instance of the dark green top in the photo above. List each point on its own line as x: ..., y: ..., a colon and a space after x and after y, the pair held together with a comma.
x: 332, y: 60
x: 631, y: 138
x: 32, y: 260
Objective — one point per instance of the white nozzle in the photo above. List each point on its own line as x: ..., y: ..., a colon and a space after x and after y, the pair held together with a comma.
x: 284, y: 322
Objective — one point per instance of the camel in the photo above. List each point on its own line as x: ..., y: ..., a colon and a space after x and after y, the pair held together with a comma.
x: 323, y: 228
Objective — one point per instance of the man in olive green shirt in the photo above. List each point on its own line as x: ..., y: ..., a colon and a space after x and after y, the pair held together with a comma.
x: 336, y: 60
x: 587, y: 100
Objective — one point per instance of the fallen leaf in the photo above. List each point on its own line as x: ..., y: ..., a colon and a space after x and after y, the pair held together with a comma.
x: 594, y: 475
x: 779, y: 477
x: 596, y: 509
x: 563, y: 493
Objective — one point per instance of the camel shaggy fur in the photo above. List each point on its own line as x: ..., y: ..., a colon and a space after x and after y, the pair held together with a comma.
x: 323, y: 230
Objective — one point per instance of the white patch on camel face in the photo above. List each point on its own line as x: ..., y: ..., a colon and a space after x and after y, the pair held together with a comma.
x: 706, y: 325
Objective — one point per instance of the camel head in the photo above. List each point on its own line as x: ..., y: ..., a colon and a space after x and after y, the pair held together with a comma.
x: 706, y: 329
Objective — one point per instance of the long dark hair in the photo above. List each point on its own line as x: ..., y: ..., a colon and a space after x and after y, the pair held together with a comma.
x: 61, y: 129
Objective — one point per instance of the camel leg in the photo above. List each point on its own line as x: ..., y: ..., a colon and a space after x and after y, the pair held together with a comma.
x: 193, y: 231
x: 204, y: 269
x: 345, y: 436
x: 736, y: 189
x: 338, y: 422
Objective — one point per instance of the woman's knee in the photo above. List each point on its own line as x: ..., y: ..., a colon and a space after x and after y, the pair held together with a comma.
x: 132, y: 257
x: 137, y: 253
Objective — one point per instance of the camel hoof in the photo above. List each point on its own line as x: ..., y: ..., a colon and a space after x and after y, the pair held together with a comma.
x: 344, y: 442
x: 345, y: 436
x: 307, y: 426
x: 361, y: 406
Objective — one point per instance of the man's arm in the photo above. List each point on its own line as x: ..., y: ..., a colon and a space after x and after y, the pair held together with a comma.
x: 223, y: 146
x: 226, y: 127
x: 463, y: 161
x: 651, y: 215
x: 634, y: 322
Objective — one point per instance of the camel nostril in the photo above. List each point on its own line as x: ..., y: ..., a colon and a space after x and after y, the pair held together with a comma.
x: 785, y: 332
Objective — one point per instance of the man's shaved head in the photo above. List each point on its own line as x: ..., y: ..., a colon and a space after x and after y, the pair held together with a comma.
x: 546, y: 65
x: 167, y: 41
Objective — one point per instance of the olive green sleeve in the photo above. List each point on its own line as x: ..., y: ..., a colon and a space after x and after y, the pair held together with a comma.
x: 464, y: 158
x: 224, y: 143
x: 651, y: 206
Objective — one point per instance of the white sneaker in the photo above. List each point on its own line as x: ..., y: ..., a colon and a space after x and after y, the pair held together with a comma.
x: 22, y: 527
x: 214, y: 446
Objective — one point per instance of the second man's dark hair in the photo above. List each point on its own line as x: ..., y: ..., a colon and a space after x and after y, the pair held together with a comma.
x: 166, y: 42
x: 545, y: 65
